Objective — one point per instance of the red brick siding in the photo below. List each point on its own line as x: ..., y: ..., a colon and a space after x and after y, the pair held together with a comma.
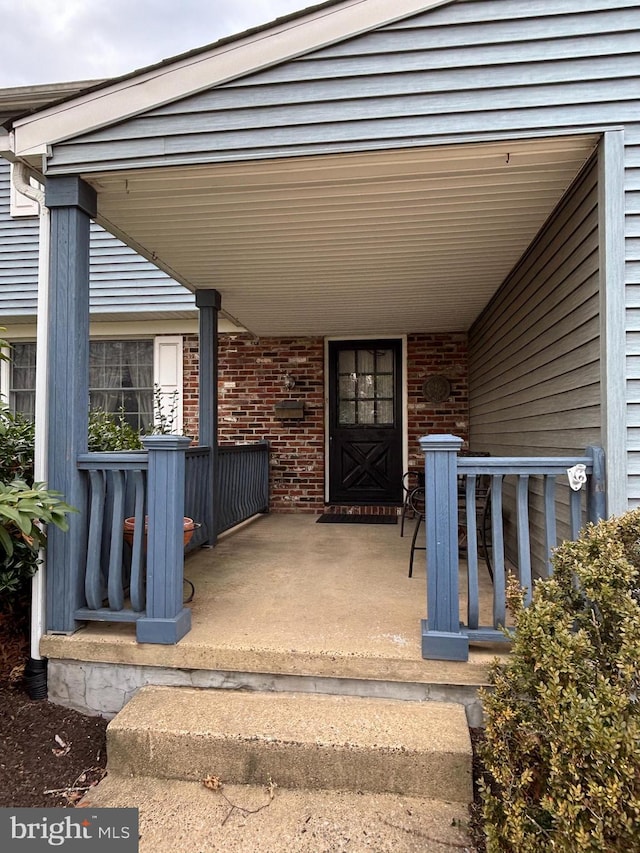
x: 251, y: 383
x: 444, y: 355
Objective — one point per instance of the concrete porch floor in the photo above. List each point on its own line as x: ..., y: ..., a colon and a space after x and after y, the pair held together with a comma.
x: 284, y: 595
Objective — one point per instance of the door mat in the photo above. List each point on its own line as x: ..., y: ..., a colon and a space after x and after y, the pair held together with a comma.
x: 335, y: 518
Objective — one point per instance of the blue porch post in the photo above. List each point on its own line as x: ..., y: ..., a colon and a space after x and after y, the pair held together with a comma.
x: 208, y: 303
x: 596, y: 495
x: 441, y: 635
x: 166, y: 620
x: 72, y: 203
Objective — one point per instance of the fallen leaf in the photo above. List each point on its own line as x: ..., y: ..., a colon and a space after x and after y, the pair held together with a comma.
x: 214, y: 783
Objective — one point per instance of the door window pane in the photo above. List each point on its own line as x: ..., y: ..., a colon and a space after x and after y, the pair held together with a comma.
x: 384, y: 411
x: 347, y: 414
x: 384, y: 361
x: 347, y: 361
x: 366, y: 387
x: 366, y: 361
x: 366, y: 412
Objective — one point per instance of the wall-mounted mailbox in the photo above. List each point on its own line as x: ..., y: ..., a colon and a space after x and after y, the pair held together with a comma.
x: 290, y: 410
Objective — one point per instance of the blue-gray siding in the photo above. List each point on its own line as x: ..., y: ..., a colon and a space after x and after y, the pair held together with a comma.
x: 464, y: 71
x: 121, y: 280
x: 534, y: 353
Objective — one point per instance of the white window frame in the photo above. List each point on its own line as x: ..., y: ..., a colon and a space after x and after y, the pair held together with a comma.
x: 5, y: 378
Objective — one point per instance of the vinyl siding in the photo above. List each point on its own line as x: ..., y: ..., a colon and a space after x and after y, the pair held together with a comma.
x: 122, y: 282
x: 534, y: 353
x: 462, y: 72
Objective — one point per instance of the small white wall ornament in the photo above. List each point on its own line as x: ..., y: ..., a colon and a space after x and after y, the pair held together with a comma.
x: 577, y: 476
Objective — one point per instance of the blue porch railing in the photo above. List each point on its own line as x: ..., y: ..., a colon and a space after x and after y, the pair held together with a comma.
x: 197, y: 494
x: 451, y: 482
x: 243, y: 483
x: 141, y: 580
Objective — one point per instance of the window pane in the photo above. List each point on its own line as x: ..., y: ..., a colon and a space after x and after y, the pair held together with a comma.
x: 384, y: 361
x: 366, y: 385
x: 122, y: 379
x: 366, y: 361
x: 384, y: 387
x: 347, y: 361
x: 366, y: 412
x: 384, y: 410
x: 22, y: 394
x: 347, y: 387
x: 24, y: 402
x: 347, y: 412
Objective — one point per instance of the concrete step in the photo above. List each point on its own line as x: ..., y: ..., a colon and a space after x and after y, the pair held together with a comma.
x: 180, y: 817
x: 295, y: 740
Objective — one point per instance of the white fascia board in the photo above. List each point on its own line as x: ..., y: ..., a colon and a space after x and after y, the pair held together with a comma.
x: 210, y: 68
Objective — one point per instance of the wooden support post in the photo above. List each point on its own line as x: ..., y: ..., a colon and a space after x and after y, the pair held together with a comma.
x: 441, y: 635
x: 166, y: 620
x: 208, y: 303
x: 72, y: 203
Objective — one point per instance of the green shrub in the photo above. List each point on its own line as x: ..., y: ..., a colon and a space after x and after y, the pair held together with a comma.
x: 111, y: 432
x: 562, y: 748
x: 23, y: 509
x: 17, y: 435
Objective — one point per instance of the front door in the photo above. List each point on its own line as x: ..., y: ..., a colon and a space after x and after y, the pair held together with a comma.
x: 365, y: 422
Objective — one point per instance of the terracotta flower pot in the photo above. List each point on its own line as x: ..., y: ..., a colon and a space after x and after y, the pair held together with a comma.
x: 129, y: 526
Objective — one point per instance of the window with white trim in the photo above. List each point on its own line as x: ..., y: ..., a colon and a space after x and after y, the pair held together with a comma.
x: 123, y: 375
x: 121, y: 378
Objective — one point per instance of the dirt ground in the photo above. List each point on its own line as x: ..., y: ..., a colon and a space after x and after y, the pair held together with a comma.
x: 49, y: 755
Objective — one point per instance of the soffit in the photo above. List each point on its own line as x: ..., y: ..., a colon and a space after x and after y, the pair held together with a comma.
x: 387, y: 242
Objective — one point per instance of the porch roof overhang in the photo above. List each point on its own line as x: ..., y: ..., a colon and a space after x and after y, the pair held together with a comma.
x: 405, y: 239
x: 390, y: 242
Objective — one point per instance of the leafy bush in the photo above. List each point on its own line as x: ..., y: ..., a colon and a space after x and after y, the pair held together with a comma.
x: 23, y: 509
x: 17, y: 435
x: 111, y: 432
x: 562, y: 747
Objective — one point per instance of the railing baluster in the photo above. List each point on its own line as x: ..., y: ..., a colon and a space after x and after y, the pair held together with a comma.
x: 115, y: 590
x: 137, y: 582
x: 524, y: 540
x: 550, y: 517
x: 575, y: 512
x: 93, y: 588
x: 497, y: 541
x: 473, y: 588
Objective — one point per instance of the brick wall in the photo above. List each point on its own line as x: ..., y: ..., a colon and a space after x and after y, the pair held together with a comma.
x: 251, y: 382
x: 439, y: 355
x: 252, y: 374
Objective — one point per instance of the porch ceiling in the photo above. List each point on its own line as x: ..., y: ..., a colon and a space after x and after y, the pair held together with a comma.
x: 391, y: 242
